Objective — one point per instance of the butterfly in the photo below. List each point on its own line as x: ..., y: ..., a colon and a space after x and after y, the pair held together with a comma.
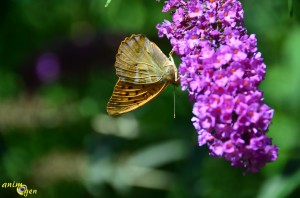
x: 144, y: 72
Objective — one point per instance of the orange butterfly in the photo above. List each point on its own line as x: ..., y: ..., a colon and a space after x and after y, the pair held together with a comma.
x: 144, y: 72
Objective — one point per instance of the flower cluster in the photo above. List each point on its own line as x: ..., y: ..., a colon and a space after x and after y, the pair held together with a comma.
x: 221, y: 70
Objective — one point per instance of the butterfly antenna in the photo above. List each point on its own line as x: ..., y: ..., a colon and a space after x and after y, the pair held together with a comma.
x: 174, y: 101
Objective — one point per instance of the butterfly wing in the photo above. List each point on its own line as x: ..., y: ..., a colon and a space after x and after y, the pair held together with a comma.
x: 139, y: 61
x: 127, y: 97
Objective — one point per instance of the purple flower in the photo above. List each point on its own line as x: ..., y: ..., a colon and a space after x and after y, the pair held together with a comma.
x: 221, y: 70
x: 48, y: 68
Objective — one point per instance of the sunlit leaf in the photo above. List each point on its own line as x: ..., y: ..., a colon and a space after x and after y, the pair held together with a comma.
x: 107, y: 3
x: 280, y: 186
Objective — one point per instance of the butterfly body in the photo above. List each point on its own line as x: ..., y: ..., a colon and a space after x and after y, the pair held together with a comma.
x: 143, y: 70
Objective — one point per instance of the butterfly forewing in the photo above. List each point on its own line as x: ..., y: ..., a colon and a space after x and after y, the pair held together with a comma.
x: 140, y: 61
x: 127, y: 97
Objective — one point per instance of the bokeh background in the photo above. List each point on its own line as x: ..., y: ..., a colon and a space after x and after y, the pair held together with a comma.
x: 57, y: 74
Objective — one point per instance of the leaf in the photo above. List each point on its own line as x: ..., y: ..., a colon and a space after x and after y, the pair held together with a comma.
x: 107, y: 3
x: 290, y: 7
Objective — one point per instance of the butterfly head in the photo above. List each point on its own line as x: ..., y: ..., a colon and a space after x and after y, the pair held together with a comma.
x: 173, y: 72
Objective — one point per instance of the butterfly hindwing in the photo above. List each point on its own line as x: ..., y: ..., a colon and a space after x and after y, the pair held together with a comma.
x: 127, y: 97
x: 139, y: 61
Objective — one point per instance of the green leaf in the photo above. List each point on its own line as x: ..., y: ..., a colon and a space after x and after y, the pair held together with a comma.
x: 290, y: 7
x: 107, y: 2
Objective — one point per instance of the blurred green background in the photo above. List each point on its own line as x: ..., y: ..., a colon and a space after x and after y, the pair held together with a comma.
x: 57, y: 74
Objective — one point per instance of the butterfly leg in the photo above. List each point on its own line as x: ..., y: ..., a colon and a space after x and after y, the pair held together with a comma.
x: 170, y: 56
